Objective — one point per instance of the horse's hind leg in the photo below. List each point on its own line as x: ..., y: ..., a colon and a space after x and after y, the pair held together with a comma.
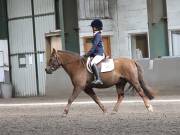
x: 93, y: 95
x: 140, y: 91
x: 120, y: 92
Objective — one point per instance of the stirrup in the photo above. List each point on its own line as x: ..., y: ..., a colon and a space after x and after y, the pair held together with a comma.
x: 97, y: 82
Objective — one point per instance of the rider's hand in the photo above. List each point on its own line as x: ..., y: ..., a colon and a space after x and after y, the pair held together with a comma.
x: 85, y: 56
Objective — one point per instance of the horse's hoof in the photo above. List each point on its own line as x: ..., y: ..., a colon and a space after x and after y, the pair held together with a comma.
x: 113, y: 112
x: 150, y: 108
x: 105, y: 112
x: 97, y: 82
x: 64, y: 115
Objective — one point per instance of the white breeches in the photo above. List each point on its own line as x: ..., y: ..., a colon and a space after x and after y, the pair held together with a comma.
x: 97, y: 59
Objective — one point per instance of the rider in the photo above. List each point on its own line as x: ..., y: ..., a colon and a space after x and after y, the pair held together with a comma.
x: 97, y: 50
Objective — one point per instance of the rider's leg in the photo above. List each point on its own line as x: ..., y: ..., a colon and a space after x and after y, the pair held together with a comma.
x: 95, y: 70
x: 97, y: 76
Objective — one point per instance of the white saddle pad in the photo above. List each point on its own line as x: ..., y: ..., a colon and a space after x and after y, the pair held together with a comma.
x: 106, y: 66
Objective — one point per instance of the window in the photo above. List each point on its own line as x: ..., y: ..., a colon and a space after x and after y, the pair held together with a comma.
x: 176, y: 43
x: 139, y: 46
x: 22, y: 60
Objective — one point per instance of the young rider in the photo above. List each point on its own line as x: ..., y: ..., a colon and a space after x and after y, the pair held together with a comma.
x: 97, y: 50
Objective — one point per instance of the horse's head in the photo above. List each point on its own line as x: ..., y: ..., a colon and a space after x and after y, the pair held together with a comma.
x: 53, y: 63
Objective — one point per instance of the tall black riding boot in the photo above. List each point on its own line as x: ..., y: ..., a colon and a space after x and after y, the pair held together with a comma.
x: 97, y: 76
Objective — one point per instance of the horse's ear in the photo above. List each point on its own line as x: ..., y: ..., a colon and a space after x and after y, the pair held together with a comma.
x: 54, y: 51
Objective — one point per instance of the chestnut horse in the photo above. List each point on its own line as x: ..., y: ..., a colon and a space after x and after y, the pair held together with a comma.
x: 125, y: 70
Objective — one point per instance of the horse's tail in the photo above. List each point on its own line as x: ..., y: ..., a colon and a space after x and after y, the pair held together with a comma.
x: 147, y: 90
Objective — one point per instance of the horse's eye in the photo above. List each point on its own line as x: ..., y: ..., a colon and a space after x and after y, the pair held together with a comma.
x: 50, y: 62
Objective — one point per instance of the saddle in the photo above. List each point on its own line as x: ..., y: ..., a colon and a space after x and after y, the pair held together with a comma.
x: 106, y: 64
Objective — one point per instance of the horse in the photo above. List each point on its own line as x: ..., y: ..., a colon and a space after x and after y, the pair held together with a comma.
x: 125, y: 71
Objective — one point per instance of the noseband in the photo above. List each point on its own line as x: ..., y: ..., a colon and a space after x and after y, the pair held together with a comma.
x: 53, y: 66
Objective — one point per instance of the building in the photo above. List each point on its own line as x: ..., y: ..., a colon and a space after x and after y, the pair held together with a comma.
x: 28, y: 21
x: 128, y: 24
x: 132, y: 28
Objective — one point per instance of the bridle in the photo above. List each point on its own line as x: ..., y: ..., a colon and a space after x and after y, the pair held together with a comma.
x: 54, y: 66
x: 59, y: 64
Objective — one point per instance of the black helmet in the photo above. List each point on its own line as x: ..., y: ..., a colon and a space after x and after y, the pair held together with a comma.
x: 97, y: 24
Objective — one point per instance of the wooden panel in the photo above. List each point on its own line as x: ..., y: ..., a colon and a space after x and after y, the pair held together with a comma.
x: 87, y: 44
x: 101, y: 8
x: 97, y: 8
x: 52, y: 42
x: 107, y: 47
x: 106, y: 9
x: 89, y: 9
x: 56, y: 43
x: 48, y: 49
x: 81, y: 8
x: 92, y: 8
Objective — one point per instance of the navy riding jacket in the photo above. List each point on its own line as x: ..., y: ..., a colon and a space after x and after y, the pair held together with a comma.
x: 97, y: 48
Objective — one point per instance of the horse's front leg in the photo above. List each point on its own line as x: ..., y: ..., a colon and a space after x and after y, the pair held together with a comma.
x: 74, y: 95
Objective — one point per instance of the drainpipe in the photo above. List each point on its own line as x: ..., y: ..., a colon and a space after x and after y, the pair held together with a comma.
x: 35, y: 47
x: 9, y: 52
x: 61, y: 16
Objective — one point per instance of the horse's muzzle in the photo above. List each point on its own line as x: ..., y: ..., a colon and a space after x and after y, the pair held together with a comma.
x: 48, y: 71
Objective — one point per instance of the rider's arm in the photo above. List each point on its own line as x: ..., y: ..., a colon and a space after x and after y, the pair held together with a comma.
x: 97, y: 39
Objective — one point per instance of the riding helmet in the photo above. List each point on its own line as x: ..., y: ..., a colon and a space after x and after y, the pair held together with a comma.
x: 97, y: 23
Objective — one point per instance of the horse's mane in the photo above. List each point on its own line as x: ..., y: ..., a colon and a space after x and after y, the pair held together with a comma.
x: 74, y: 55
x: 70, y: 53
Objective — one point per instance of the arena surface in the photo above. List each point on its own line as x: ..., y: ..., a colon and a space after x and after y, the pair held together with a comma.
x: 42, y: 116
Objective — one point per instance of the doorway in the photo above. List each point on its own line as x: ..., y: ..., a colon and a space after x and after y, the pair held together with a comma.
x: 139, y: 46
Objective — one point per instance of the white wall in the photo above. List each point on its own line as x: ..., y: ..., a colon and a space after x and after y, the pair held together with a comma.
x: 173, y: 12
x: 129, y: 17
